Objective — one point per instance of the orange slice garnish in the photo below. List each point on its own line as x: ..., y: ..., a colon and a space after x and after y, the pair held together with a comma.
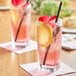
x: 15, y: 16
x: 45, y: 34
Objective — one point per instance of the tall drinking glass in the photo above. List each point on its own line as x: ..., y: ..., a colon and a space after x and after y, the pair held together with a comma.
x: 49, y: 44
x: 20, y: 21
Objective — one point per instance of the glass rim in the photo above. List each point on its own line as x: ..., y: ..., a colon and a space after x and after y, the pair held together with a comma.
x: 58, y: 23
x: 28, y: 6
x: 21, y: 5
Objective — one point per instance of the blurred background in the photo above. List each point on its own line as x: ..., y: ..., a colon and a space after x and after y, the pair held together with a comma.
x: 5, y: 2
x: 39, y: 8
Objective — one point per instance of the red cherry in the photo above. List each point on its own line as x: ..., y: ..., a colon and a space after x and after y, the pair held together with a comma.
x: 17, y: 2
x: 48, y: 20
x: 52, y: 18
x: 44, y: 18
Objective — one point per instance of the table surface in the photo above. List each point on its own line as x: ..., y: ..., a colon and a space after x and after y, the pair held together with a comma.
x: 9, y: 61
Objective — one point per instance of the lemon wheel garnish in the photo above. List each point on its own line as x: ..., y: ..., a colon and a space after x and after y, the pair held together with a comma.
x: 15, y: 16
x: 45, y: 34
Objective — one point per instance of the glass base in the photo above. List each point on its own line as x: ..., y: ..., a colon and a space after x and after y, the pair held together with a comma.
x: 49, y: 68
x: 19, y: 45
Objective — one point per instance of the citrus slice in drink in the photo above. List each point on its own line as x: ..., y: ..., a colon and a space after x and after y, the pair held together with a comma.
x: 45, y: 34
x: 15, y: 16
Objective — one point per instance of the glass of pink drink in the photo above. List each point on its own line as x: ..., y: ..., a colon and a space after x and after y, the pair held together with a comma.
x: 49, y: 42
x: 20, y: 17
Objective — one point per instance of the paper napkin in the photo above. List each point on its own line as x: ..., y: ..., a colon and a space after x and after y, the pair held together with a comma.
x: 32, y: 46
x: 33, y: 70
x: 69, y: 30
x: 69, y: 41
x: 5, y: 7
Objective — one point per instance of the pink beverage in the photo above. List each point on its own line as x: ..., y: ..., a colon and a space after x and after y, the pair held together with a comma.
x: 20, y: 16
x: 49, y: 42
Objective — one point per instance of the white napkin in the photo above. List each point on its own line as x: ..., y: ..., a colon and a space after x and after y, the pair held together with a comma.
x: 69, y: 41
x: 69, y: 30
x: 32, y: 46
x: 32, y: 69
x: 5, y: 7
